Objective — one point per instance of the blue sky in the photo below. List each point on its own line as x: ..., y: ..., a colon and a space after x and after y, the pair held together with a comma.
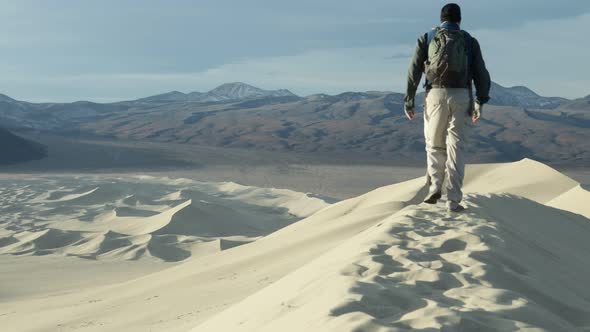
x: 109, y: 50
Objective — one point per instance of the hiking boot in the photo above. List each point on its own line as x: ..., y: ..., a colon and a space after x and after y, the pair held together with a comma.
x: 456, y: 208
x: 432, y: 199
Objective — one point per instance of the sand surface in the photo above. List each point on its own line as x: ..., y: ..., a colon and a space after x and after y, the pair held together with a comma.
x: 136, y: 217
x: 517, y: 259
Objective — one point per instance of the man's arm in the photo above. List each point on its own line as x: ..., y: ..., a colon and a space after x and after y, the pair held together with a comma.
x: 415, y: 72
x: 481, y: 76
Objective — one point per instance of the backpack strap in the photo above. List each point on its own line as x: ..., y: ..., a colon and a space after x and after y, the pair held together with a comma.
x: 429, y: 37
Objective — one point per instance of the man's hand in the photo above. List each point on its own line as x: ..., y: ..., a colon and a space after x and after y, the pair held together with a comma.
x: 477, y: 109
x: 409, y: 108
x: 409, y: 113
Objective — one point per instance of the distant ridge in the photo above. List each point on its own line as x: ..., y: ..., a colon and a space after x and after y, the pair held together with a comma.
x: 579, y: 104
x: 224, y: 92
x: 516, y: 96
x: 237, y: 90
x: 16, y: 149
x: 5, y: 98
x: 521, y: 96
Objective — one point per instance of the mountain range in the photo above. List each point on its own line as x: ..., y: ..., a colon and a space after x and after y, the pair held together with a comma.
x: 518, y: 123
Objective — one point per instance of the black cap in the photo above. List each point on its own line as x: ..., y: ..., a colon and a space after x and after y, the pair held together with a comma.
x: 451, y: 13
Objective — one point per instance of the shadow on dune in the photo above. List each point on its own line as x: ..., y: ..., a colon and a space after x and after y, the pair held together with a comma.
x: 506, y: 264
x: 211, y: 216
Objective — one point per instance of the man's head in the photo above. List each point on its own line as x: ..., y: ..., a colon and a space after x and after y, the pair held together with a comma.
x: 451, y: 13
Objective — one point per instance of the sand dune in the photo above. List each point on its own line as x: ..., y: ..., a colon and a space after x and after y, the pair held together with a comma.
x: 377, y: 262
x: 525, y: 178
x: 498, y: 267
x: 574, y: 200
x: 421, y: 269
x: 140, y: 217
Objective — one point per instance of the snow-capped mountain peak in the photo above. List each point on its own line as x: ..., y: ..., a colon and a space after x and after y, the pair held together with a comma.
x: 224, y: 92
x: 238, y: 90
x: 522, y: 96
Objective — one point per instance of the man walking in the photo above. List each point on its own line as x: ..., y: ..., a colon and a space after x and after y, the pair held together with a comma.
x: 452, y: 62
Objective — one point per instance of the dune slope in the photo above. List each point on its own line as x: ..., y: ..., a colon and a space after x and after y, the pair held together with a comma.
x: 510, y: 263
x: 493, y: 268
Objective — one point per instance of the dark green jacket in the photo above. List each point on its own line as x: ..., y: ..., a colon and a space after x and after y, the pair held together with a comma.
x: 479, y: 73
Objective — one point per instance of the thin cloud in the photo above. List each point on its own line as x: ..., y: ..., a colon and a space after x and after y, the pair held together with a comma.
x: 74, y: 49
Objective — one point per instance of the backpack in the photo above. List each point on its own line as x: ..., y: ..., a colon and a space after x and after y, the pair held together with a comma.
x: 449, y: 58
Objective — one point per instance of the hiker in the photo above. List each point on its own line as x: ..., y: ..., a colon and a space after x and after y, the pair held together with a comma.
x: 451, y: 60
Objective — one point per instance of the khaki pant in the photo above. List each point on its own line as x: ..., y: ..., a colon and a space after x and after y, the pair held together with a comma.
x: 446, y: 125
